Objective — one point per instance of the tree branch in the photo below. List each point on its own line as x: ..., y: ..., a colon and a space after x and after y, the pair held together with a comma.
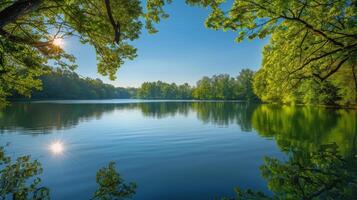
x: 116, y: 25
x: 322, y: 78
x: 16, y: 10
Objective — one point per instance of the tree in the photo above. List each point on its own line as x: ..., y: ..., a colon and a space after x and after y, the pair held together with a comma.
x: 244, y: 85
x: 309, y: 39
x: 203, y: 89
x: 19, y: 180
x: 185, y: 91
x: 111, y: 185
x: 31, y: 33
x: 161, y: 90
x: 224, y: 87
x: 66, y: 84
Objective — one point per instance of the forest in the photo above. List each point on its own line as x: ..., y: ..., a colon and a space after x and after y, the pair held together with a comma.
x: 247, y: 86
x: 310, y: 57
x: 217, y: 87
x: 65, y: 84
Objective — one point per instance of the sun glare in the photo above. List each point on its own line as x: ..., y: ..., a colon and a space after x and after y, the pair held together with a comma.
x: 58, y: 42
x: 57, y: 147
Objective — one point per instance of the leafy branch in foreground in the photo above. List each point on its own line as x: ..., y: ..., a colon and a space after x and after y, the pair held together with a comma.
x: 15, y: 176
x: 20, y: 180
x: 111, y: 185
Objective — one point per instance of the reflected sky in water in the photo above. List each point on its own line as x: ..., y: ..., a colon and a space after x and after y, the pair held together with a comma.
x: 172, y: 150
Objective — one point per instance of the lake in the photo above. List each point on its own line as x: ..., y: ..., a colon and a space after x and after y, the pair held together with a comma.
x: 170, y: 149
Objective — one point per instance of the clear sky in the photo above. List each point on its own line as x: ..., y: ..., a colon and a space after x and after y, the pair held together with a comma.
x: 183, y: 50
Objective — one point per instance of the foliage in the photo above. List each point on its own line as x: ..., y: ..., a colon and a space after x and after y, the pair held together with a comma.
x: 223, y: 87
x: 19, y: 180
x: 311, y: 42
x: 161, y: 90
x: 64, y: 84
x: 218, y: 87
x: 322, y: 174
x: 30, y: 31
x: 111, y: 185
x: 244, y: 85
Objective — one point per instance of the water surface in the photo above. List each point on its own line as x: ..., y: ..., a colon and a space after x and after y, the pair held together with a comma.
x: 172, y: 150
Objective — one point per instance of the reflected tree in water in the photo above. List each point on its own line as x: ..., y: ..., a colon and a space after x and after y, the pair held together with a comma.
x: 164, y: 109
x: 50, y: 116
x: 323, y: 174
x: 42, y: 118
x: 307, y: 127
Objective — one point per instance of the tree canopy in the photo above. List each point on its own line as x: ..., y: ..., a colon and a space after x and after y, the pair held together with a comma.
x: 65, y: 84
x: 313, y: 45
x: 224, y: 87
x: 312, y: 49
x: 217, y: 87
x: 31, y: 31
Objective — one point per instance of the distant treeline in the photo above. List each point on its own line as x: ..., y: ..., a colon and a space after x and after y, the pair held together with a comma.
x: 217, y: 87
x: 64, y: 84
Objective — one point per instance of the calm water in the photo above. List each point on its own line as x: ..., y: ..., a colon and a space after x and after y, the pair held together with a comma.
x: 172, y: 150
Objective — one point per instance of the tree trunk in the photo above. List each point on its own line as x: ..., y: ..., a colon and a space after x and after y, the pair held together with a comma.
x: 16, y: 10
x: 355, y: 79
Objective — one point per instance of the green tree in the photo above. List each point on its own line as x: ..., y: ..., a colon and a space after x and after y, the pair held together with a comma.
x: 244, y: 85
x: 111, y: 185
x: 161, y: 90
x: 224, y: 87
x: 309, y: 40
x: 66, y: 84
x: 31, y: 31
x: 20, y: 180
x: 203, y: 89
x: 185, y: 91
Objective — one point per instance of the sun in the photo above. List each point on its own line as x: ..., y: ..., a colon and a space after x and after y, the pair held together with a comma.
x: 58, y: 42
x: 57, y: 147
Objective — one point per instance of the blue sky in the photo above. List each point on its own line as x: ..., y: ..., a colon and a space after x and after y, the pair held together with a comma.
x: 183, y: 50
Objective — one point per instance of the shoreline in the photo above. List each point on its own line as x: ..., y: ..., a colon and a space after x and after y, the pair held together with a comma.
x: 88, y: 101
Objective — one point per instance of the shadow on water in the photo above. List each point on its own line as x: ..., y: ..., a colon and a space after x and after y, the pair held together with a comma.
x: 320, y: 143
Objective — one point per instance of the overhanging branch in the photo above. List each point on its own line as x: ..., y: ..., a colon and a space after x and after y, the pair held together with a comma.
x: 17, y: 9
x: 116, y: 25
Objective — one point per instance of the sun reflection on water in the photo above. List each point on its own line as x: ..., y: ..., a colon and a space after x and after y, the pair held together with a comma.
x: 57, y: 147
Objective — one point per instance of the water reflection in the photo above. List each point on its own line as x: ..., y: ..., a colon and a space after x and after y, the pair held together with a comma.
x: 319, y: 143
x: 320, y: 174
x: 57, y: 147
x: 307, y: 127
x: 44, y: 117
x: 291, y: 126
